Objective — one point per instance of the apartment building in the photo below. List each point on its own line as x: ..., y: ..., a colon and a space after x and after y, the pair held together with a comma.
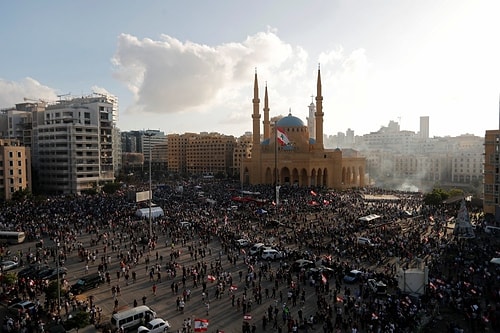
x: 76, y: 145
x: 210, y: 154
x: 15, y: 168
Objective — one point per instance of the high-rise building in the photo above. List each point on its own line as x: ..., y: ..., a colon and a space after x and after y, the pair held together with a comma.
x: 76, y: 143
x: 424, y: 127
x: 491, y: 201
x: 15, y: 166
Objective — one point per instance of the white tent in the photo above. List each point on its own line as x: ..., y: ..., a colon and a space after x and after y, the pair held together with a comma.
x: 144, y: 212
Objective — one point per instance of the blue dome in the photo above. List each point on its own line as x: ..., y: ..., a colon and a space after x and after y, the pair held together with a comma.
x: 290, y: 121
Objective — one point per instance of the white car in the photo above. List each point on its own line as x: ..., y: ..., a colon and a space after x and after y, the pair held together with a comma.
x: 156, y: 325
x: 255, y: 248
x: 185, y: 224
x: 271, y: 254
x: 378, y: 287
x: 242, y: 242
x: 8, y: 265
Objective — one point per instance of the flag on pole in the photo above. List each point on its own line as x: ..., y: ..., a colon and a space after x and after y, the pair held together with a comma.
x: 200, y: 325
x: 281, y: 136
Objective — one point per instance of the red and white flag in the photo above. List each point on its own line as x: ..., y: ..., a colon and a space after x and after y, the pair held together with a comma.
x: 211, y: 278
x: 314, y: 193
x: 233, y: 288
x: 200, y: 325
x: 323, y: 278
x: 281, y: 137
x: 247, y: 316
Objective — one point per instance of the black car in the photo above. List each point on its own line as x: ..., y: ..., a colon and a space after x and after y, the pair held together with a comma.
x: 51, y: 273
x: 86, y: 283
x: 30, y: 271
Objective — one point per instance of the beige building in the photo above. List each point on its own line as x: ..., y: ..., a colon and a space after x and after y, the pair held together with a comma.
x: 209, y: 154
x: 243, y: 150
x: 200, y: 154
x: 297, y: 157
x: 15, y: 166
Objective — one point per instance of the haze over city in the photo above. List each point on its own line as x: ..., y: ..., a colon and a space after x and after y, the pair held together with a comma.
x: 188, y: 66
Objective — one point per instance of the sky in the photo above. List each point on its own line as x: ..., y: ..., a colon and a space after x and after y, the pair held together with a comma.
x: 188, y: 66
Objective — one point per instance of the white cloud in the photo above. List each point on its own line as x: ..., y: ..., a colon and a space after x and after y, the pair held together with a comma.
x: 12, y: 92
x: 170, y: 76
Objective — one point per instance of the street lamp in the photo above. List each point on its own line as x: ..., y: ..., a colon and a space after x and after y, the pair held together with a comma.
x: 150, y: 134
x: 58, y: 280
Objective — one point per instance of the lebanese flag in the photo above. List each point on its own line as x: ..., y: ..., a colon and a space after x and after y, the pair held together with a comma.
x: 200, y: 325
x: 247, y: 316
x: 233, y: 288
x: 323, y: 278
x: 281, y: 136
x: 211, y: 278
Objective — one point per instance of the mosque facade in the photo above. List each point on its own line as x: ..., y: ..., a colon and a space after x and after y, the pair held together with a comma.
x: 287, y: 154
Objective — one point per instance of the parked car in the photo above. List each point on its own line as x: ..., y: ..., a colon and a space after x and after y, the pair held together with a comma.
x: 157, y: 325
x: 23, y: 306
x: 7, y: 265
x: 255, y: 248
x: 30, y: 271
x: 51, y: 273
x: 353, y: 276
x: 378, y: 287
x: 365, y: 241
x: 86, y: 283
x: 300, y: 264
x: 185, y: 224
x: 242, y: 242
x: 271, y: 254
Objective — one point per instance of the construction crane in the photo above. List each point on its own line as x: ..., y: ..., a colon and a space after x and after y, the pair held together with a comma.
x: 36, y: 100
x: 63, y: 95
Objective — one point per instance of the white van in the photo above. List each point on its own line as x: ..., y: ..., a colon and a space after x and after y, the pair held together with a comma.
x: 132, y: 318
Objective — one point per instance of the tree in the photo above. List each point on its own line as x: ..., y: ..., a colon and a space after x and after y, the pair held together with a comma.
x: 436, y: 197
x: 80, y: 320
x: 9, y: 278
x: 111, y: 188
x: 51, y: 292
x: 21, y: 195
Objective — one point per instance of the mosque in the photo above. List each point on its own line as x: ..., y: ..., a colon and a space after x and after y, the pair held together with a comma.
x: 287, y: 154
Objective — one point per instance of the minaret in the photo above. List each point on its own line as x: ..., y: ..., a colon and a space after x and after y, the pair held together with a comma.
x: 256, y: 114
x: 310, y: 119
x: 267, y: 123
x: 319, y: 113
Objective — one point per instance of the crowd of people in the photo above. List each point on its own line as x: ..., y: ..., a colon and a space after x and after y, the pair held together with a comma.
x: 317, y: 224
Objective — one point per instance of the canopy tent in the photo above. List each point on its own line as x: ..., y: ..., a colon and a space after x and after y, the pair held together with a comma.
x: 369, y: 218
x: 144, y: 212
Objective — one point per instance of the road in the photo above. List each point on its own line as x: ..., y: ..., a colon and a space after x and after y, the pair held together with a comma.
x: 222, y: 315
